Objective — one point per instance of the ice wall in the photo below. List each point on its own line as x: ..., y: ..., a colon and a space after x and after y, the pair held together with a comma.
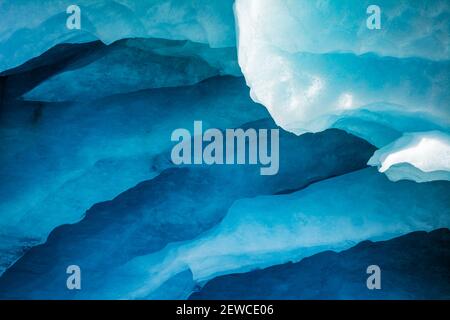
x: 316, y: 64
x: 135, y: 64
x: 57, y: 160
x: 29, y: 28
x: 333, y: 214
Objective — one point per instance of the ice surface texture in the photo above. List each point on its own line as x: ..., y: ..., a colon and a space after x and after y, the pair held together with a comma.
x: 177, y: 205
x: 333, y: 214
x: 331, y: 275
x: 409, y: 156
x: 29, y: 28
x: 86, y: 118
x: 131, y: 65
x: 315, y: 63
x: 59, y: 160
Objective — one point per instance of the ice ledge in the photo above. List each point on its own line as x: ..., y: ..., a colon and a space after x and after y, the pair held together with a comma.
x: 417, y: 156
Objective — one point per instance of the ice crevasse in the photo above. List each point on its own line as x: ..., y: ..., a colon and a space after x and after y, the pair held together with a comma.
x: 382, y: 85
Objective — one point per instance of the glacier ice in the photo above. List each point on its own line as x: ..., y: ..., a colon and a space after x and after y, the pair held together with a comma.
x: 85, y: 158
x: 131, y: 65
x: 409, y: 29
x: 421, y: 157
x: 302, y: 88
x: 382, y: 123
x: 336, y: 71
x: 179, y: 204
x: 30, y: 28
x: 333, y: 214
x: 342, y: 275
x: 57, y: 160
